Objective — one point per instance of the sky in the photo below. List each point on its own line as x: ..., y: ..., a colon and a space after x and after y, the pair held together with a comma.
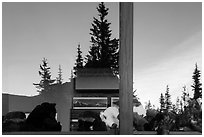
x: 167, y: 43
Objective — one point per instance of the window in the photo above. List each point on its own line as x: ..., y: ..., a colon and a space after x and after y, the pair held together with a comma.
x: 89, y: 102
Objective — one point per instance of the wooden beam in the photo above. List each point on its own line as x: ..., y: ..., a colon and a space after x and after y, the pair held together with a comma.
x: 126, y: 68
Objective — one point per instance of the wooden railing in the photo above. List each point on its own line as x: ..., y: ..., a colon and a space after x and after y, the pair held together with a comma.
x: 62, y: 133
x: 170, y: 133
x: 111, y: 132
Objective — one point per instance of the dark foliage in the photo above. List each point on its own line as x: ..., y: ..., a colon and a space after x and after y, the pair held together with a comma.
x: 79, y: 60
x: 168, y: 103
x: 104, y: 50
x: 42, y: 118
x: 90, y: 119
x: 13, y: 121
x: 196, y: 83
x: 162, y: 103
x: 59, y: 78
x: 45, y: 74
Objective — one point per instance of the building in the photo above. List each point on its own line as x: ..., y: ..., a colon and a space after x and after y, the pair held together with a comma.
x: 91, y: 89
x: 95, y: 90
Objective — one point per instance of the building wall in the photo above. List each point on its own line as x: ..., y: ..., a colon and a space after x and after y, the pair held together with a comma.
x: 5, y: 104
x: 23, y: 103
x: 61, y: 95
x: 96, y: 79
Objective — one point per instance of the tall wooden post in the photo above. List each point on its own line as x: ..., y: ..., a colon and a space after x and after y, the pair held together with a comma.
x: 126, y: 68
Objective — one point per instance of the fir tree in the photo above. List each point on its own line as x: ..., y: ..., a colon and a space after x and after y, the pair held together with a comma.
x: 46, y: 77
x: 181, y: 106
x: 162, y: 103
x: 59, y: 78
x: 167, y: 100
x: 134, y: 94
x: 178, y: 105
x: 136, y: 101
x: 174, y: 108
x: 104, y: 50
x: 185, y: 97
x: 72, y: 75
x: 148, y: 106
x: 196, y: 83
x: 79, y: 60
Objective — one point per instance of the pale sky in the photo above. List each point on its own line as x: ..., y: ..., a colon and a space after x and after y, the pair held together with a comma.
x: 167, y: 43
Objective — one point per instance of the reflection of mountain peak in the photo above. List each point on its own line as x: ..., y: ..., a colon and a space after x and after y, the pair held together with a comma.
x: 89, y: 103
x: 100, y: 104
x: 78, y: 103
x: 84, y: 103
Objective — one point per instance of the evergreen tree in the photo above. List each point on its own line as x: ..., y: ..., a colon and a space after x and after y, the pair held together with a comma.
x: 149, y: 105
x: 79, y: 60
x: 178, y: 105
x: 134, y: 94
x: 162, y: 103
x: 196, y: 83
x: 167, y: 100
x: 136, y: 101
x: 72, y: 75
x: 174, y: 108
x: 185, y: 97
x: 181, y: 106
x: 104, y: 52
x: 46, y: 77
x: 59, y: 78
